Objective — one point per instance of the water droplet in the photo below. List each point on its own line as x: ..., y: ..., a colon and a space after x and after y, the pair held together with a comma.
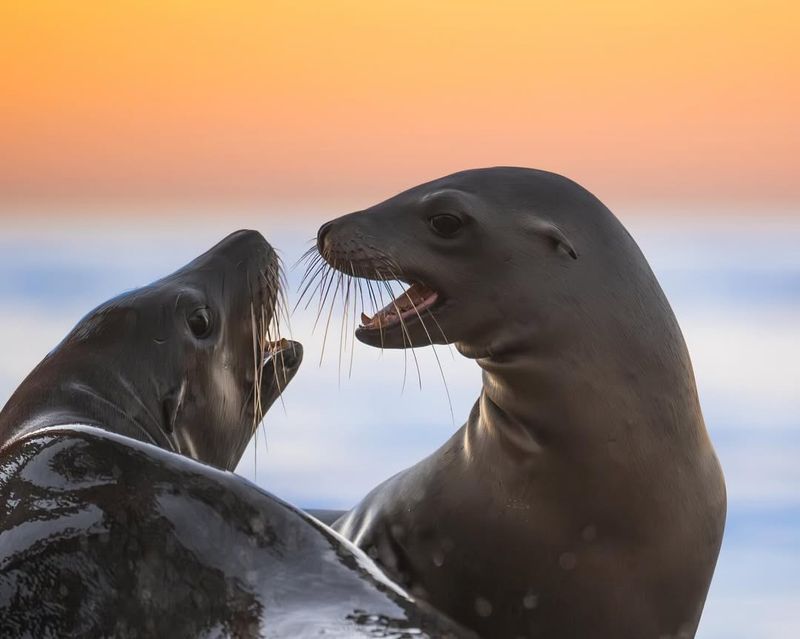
x: 530, y: 601
x: 438, y: 558
x: 483, y: 607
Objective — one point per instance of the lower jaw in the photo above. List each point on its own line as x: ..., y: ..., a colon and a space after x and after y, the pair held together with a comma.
x: 375, y: 339
x: 397, y: 335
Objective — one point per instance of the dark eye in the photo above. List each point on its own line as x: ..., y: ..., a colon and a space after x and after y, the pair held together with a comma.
x: 445, y: 224
x: 200, y: 323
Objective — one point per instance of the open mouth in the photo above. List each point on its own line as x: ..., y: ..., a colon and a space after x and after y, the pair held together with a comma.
x: 407, y: 306
x: 283, y: 353
x: 282, y: 358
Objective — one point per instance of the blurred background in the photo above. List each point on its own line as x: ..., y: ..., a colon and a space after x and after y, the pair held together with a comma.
x: 133, y: 135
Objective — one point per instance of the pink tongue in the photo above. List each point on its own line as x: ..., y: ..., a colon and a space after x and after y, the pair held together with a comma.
x: 414, y: 297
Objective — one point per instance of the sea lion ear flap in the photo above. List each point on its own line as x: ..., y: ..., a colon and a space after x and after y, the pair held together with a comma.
x: 171, y: 405
x: 555, y: 234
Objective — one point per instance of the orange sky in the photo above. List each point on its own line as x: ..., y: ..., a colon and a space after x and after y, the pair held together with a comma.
x: 301, y: 99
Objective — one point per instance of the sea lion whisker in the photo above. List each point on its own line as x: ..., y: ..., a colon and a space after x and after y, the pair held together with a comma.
x: 264, y: 437
x: 436, y: 355
x: 97, y: 396
x: 317, y: 279
x: 441, y: 331
x: 256, y: 366
x: 262, y: 341
x: 132, y: 393
x: 329, y: 278
x: 358, y: 283
x: 345, y: 302
x: 314, y: 279
x: 404, y: 331
x: 349, y: 303
x: 256, y: 390
x: 375, y: 302
x: 330, y: 313
x: 258, y: 330
x: 395, y: 269
x: 281, y: 306
x: 308, y: 258
x: 313, y: 268
x: 307, y: 254
x: 255, y: 453
x: 268, y: 340
x: 380, y: 283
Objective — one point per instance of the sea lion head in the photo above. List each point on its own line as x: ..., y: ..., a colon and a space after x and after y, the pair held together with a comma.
x: 490, y: 256
x: 191, y: 362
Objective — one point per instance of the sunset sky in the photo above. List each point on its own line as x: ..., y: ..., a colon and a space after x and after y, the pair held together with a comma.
x: 299, y: 99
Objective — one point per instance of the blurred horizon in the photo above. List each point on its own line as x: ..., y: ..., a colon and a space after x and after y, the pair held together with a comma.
x: 313, y: 211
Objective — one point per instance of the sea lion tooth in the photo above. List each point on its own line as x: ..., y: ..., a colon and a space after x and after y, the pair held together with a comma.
x: 278, y: 345
x: 366, y: 320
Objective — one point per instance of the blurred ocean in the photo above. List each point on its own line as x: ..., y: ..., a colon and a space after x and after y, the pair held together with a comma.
x: 734, y: 283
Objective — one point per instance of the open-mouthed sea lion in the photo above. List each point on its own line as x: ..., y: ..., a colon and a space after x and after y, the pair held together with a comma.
x: 187, y: 363
x: 106, y: 531
x: 583, y: 497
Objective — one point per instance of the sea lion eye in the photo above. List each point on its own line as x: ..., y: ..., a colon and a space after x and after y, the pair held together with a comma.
x: 445, y: 224
x: 200, y: 323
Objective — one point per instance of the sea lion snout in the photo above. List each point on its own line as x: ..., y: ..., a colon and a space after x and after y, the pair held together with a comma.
x: 242, y: 250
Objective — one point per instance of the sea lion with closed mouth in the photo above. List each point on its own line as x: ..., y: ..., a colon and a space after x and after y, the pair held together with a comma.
x: 109, y: 523
x: 583, y: 497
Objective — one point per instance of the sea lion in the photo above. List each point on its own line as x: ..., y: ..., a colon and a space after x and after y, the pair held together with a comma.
x: 108, y: 528
x: 583, y: 497
x: 179, y: 363
x: 105, y: 536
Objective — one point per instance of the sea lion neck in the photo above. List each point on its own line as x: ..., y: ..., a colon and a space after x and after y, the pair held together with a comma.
x: 90, y: 394
x: 547, y: 383
x: 521, y: 393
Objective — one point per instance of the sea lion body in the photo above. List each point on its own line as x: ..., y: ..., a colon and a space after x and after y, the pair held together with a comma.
x: 583, y: 496
x: 117, y: 538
